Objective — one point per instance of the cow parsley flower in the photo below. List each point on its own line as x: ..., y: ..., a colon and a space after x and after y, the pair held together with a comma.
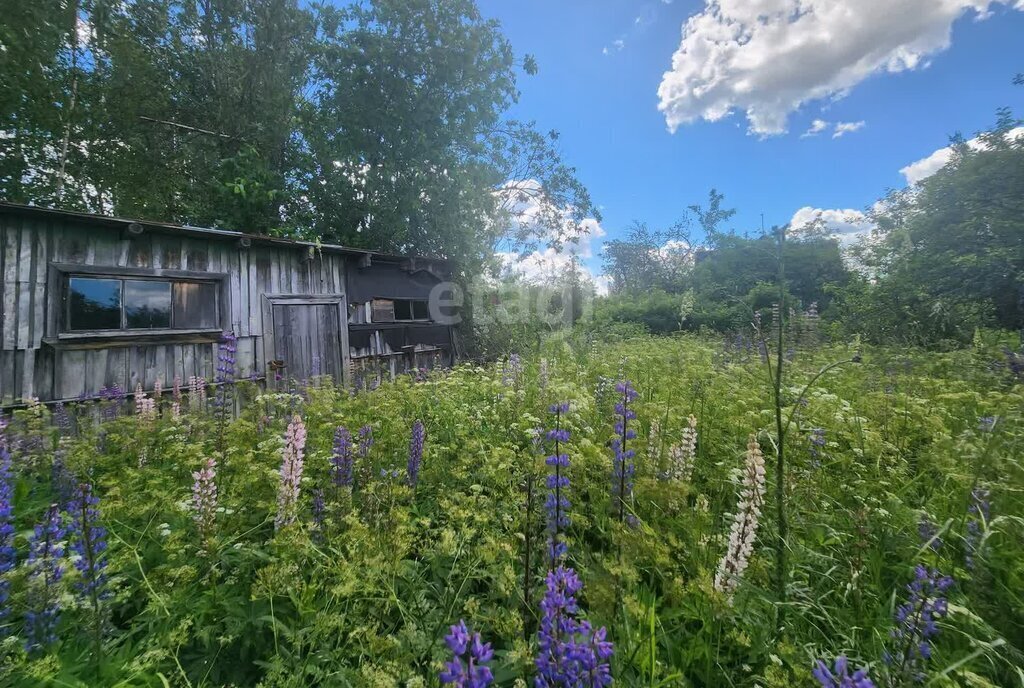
x: 291, y: 473
x: 468, y: 666
x: 841, y: 676
x: 745, y: 522
x: 569, y: 651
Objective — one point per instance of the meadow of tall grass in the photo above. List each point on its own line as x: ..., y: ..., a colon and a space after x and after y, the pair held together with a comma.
x: 587, y: 513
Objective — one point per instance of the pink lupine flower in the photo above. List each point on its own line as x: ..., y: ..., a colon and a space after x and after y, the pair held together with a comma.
x: 196, y: 393
x: 744, y: 526
x: 204, y: 499
x: 291, y: 473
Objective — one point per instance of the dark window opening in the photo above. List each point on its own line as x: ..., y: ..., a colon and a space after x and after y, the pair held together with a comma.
x: 107, y: 303
x: 95, y: 304
x: 411, y: 310
x: 147, y: 304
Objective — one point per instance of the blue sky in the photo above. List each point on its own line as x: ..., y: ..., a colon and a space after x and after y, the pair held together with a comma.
x: 603, y: 97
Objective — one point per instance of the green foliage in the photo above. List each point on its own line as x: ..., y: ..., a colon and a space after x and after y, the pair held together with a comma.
x: 948, y: 256
x: 378, y: 125
x: 367, y: 599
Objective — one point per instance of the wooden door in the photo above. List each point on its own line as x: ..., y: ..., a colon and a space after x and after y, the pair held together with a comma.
x: 308, y: 338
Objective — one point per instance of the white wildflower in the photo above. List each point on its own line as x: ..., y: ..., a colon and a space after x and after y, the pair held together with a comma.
x: 744, y: 527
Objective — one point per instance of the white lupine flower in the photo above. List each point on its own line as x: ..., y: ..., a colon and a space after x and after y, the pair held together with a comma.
x: 744, y: 526
x: 654, y: 443
x: 681, y: 456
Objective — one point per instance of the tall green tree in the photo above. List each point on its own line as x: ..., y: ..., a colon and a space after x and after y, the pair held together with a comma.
x: 378, y: 124
x: 948, y: 254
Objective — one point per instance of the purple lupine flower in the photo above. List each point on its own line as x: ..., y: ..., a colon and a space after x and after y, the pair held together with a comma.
x: 46, y: 550
x: 978, y: 515
x: 365, y: 440
x: 511, y: 371
x: 569, y: 651
x: 291, y: 473
x: 7, y: 552
x: 63, y: 419
x: 928, y: 532
x: 468, y: 666
x: 225, y: 378
x: 841, y: 677
x: 204, y: 500
x: 62, y: 480
x: 557, y: 504
x: 112, y: 398
x: 623, y: 468
x: 342, y: 458
x: 916, y: 625
x: 89, y: 543
x: 412, y: 470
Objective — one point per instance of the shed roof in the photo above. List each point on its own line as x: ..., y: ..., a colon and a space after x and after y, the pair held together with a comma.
x: 207, y: 232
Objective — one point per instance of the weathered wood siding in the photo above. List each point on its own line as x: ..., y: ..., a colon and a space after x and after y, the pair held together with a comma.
x: 31, y: 311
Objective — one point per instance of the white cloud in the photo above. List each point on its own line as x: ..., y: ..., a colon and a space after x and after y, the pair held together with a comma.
x: 929, y: 165
x: 768, y: 57
x: 817, y: 126
x: 847, y: 128
x: 845, y: 225
x: 546, y: 265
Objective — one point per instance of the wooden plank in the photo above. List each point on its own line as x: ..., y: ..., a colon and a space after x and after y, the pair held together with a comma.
x: 254, y: 313
x: 71, y: 376
x: 122, y: 252
x: 235, y: 293
x: 95, y: 370
x: 7, y: 388
x: 3, y: 282
x: 140, y: 251
x: 171, y: 249
x: 25, y: 265
x: 45, y: 361
x: 28, y: 374
x: 39, y: 285
x: 188, y: 362
x: 117, y: 369
x: 104, y: 250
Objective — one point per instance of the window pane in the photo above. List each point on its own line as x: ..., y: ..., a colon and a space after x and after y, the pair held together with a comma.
x: 195, y: 305
x: 420, y: 311
x: 383, y: 310
x: 95, y: 304
x: 147, y: 304
x: 403, y: 310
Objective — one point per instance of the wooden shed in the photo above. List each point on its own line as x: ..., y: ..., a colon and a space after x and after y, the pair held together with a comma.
x: 91, y: 301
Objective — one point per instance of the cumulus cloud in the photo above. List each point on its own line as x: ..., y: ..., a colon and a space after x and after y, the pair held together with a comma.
x: 847, y: 127
x: 817, y: 126
x: 929, y: 165
x: 847, y: 226
x: 768, y: 57
x: 548, y: 264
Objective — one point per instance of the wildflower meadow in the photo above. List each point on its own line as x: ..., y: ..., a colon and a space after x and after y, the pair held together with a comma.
x: 648, y: 511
